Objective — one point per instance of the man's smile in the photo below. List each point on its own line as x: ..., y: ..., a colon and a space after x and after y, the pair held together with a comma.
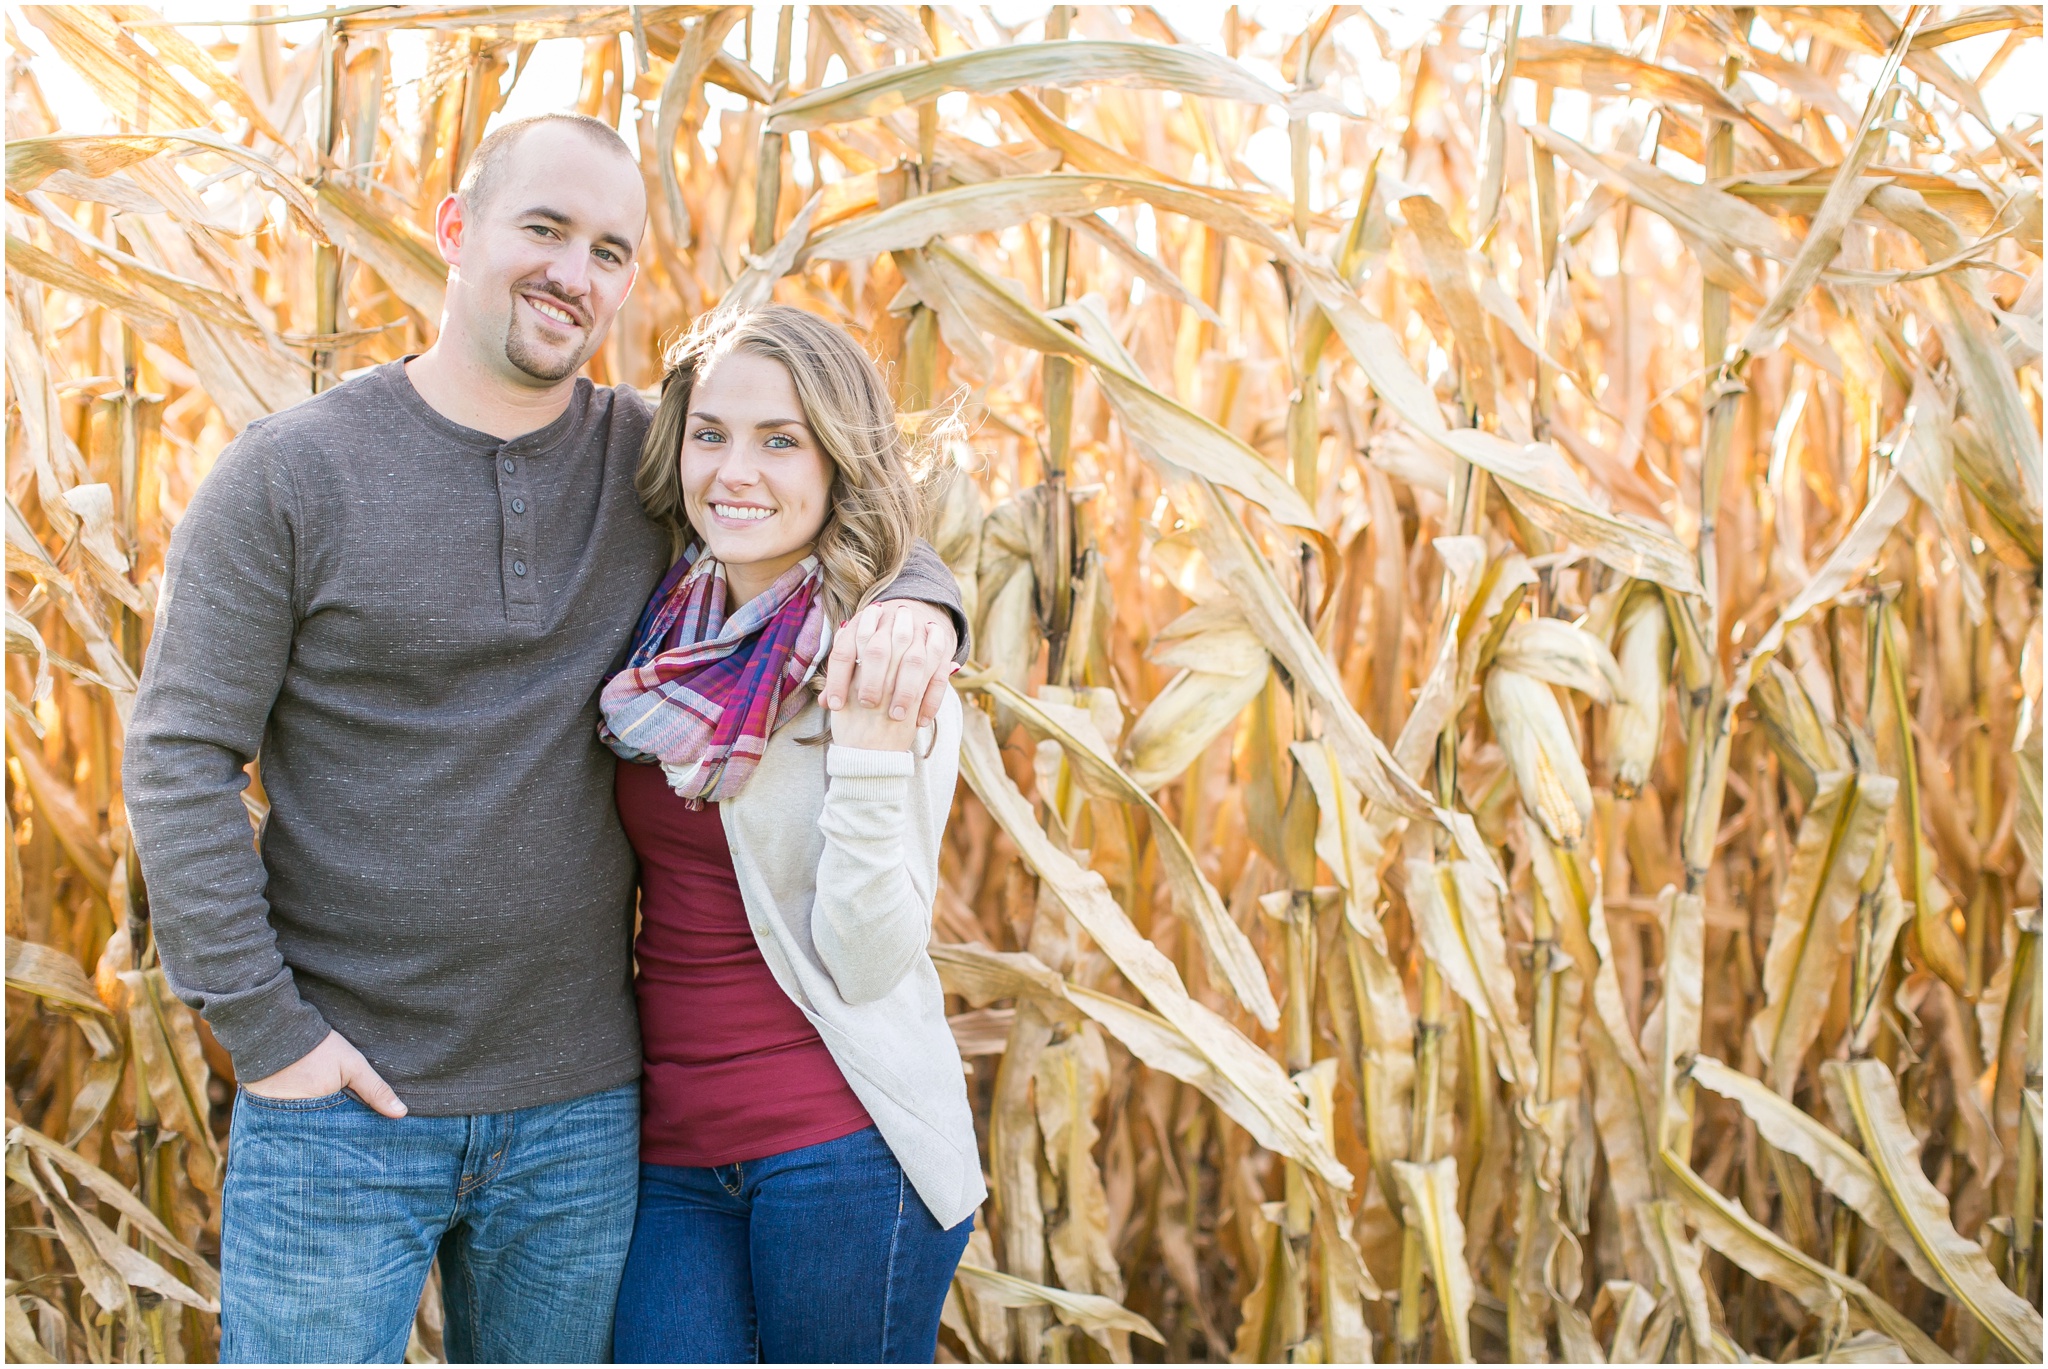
x: 551, y: 311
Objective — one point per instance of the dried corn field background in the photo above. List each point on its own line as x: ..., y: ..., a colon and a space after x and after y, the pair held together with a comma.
x: 1503, y: 821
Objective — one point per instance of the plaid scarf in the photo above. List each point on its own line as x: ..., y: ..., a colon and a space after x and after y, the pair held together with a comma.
x: 705, y: 707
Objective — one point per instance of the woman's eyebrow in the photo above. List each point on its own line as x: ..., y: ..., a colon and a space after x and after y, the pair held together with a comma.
x: 765, y: 424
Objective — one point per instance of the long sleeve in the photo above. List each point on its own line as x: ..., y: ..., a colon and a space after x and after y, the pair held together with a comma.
x: 925, y: 578
x: 215, y: 667
x: 877, y: 878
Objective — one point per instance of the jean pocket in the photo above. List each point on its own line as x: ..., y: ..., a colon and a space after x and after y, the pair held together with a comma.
x: 320, y: 1104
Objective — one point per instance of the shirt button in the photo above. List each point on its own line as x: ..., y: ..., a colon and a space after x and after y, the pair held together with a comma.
x: 510, y: 465
x: 519, y: 506
x: 519, y: 567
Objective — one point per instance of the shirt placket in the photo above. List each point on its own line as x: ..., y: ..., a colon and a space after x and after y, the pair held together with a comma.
x: 519, y: 570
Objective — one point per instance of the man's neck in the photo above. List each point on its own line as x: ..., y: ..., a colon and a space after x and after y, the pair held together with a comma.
x: 479, y: 397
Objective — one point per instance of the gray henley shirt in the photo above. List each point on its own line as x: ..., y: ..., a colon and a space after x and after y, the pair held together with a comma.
x: 411, y: 621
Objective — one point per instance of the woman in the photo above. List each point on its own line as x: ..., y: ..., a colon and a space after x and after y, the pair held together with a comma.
x: 808, y: 1164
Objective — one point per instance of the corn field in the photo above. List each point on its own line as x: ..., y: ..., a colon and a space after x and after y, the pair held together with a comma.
x: 1503, y: 791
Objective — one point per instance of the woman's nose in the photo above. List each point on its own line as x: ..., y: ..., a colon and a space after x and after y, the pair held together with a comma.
x: 738, y: 470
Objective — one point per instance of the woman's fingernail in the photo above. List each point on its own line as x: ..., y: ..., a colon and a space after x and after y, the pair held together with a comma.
x: 897, y: 713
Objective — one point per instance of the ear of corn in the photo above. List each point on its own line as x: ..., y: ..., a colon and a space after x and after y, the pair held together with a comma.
x: 1635, y: 725
x: 1542, y: 753
x: 1504, y: 749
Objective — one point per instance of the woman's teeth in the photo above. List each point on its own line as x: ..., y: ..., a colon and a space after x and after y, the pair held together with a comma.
x: 743, y: 514
x: 551, y: 312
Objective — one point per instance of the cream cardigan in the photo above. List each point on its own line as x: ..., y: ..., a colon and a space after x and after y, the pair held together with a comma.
x: 837, y: 853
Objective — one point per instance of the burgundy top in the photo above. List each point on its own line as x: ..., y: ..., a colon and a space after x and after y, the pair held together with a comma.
x: 734, y: 1070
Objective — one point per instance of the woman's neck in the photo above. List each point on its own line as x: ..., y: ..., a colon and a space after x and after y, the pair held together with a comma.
x: 746, y: 580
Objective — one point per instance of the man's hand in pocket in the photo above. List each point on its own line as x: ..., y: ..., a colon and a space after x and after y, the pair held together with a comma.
x: 330, y: 1067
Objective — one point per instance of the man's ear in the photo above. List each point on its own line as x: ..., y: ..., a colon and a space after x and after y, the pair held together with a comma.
x: 450, y: 219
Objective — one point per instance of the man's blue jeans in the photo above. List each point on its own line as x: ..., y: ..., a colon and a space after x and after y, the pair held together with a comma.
x: 331, y: 1215
x: 824, y: 1254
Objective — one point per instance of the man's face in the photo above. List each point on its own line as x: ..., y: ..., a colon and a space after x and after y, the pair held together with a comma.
x: 539, y: 269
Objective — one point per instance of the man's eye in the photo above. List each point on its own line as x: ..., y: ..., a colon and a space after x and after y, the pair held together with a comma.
x: 540, y: 228
x: 608, y: 255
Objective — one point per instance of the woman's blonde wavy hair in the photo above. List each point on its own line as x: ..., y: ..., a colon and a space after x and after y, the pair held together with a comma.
x: 880, y: 477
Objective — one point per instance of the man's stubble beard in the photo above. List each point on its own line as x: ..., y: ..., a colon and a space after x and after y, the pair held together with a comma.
x: 539, y: 364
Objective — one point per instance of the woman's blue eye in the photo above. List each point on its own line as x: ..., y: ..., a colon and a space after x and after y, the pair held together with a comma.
x: 709, y: 435
x: 781, y: 440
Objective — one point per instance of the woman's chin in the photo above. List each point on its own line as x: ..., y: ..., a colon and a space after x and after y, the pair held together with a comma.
x: 738, y: 551
x: 743, y: 550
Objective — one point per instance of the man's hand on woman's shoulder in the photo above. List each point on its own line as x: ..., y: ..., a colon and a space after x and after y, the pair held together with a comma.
x: 889, y: 665
x: 888, y: 673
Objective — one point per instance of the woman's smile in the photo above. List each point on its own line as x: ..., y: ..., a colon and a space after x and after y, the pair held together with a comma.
x: 740, y: 513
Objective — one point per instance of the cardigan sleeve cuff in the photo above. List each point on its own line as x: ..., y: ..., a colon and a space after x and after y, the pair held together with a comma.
x: 852, y: 762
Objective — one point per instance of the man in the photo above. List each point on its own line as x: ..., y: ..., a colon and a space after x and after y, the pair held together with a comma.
x: 406, y: 593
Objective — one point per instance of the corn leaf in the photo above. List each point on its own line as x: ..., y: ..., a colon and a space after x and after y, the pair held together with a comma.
x: 1833, y: 1160
x: 413, y: 270
x: 1849, y: 557
x: 32, y: 160
x: 1836, y: 840
x: 1429, y: 1204
x: 130, y: 1265
x: 1163, y: 429
x: 1534, y: 475
x: 92, y: 42
x: 678, y: 89
x: 1085, y: 1310
x: 1864, y: 1090
x: 1239, y: 564
x: 1192, y: 71
x: 1732, y: 1231
x: 982, y: 976
x: 50, y: 974
x: 1250, y: 1072
x: 1457, y: 919
x: 101, y: 1281
x: 1230, y: 953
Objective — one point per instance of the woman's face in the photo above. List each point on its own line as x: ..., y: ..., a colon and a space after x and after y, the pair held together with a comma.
x: 756, y: 483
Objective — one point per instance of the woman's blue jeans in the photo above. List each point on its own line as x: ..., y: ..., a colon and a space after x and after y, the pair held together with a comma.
x: 821, y: 1254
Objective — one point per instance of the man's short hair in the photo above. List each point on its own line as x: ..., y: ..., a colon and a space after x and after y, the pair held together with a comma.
x: 487, y: 164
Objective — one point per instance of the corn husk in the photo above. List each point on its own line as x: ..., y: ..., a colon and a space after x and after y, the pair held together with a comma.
x: 1542, y: 753
x: 1635, y: 725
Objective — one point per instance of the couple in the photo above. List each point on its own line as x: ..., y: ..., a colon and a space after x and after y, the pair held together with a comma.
x: 417, y: 595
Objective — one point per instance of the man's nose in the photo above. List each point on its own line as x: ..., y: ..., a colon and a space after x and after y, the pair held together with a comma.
x: 571, y: 272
